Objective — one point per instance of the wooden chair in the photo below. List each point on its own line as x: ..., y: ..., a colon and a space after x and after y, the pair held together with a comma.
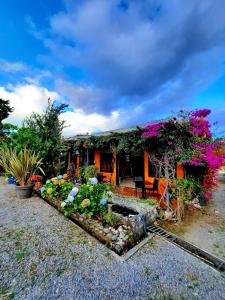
x: 139, y: 184
x: 153, y: 189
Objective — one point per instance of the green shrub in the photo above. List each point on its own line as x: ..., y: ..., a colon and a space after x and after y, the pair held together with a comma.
x: 90, y: 171
x: 110, y: 219
x: 186, y: 189
x: 57, y: 188
x: 88, y: 199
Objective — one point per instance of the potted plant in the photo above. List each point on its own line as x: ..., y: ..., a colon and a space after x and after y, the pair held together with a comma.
x: 22, y: 166
x: 90, y: 172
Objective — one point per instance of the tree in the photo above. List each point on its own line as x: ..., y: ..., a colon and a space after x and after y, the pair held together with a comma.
x: 5, y: 110
x: 46, y: 130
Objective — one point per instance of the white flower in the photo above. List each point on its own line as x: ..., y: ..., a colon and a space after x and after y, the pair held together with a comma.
x: 63, y: 204
x: 48, y: 181
x: 59, y: 177
x: 93, y: 180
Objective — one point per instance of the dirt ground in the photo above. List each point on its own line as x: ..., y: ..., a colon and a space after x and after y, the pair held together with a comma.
x: 206, y: 227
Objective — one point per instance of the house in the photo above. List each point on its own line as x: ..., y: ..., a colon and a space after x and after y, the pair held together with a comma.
x: 122, y: 156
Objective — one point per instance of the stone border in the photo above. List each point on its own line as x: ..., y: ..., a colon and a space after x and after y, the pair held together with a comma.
x: 102, y: 239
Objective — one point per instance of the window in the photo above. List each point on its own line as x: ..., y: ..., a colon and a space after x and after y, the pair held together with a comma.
x: 106, y: 162
x: 152, y: 169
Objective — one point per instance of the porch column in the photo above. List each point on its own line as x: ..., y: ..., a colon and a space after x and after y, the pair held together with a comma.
x: 97, y: 159
x: 114, y: 176
x: 145, y: 165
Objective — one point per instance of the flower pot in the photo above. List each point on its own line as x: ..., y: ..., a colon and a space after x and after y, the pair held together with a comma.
x: 24, y: 192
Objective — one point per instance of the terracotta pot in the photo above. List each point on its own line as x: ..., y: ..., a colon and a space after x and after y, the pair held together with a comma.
x: 24, y: 192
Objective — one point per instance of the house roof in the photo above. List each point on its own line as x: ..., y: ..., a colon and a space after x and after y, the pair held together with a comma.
x: 115, y: 131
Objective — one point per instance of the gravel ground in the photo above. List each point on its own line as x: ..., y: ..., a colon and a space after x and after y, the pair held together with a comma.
x: 206, y: 228
x: 43, y: 255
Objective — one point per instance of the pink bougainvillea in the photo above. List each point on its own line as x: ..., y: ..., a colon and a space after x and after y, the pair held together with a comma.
x: 152, y: 130
x: 201, y: 113
x: 190, y: 141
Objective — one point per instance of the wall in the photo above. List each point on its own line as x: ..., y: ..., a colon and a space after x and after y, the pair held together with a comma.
x: 109, y: 176
x: 162, y: 183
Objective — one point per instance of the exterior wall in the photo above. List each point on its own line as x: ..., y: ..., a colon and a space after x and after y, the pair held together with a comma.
x: 162, y: 183
x: 180, y: 171
x: 77, y: 165
x: 110, y: 177
x: 68, y: 164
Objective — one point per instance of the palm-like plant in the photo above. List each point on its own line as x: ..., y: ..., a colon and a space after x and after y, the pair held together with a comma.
x: 21, y: 165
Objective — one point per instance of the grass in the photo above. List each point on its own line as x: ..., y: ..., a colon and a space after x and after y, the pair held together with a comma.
x: 59, y: 271
x: 152, y: 243
x: 20, y: 255
x: 5, y: 294
x: 146, y: 271
x: 194, y: 282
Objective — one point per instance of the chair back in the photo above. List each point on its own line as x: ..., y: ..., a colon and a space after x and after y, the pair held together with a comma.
x: 155, y: 184
x: 138, y: 180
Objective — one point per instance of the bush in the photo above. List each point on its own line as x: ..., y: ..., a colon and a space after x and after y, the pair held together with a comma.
x: 22, y: 165
x: 111, y: 219
x: 90, y: 171
x: 88, y: 199
x: 57, y: 188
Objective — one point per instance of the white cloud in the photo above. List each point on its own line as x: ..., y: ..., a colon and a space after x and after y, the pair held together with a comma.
x: 12, y: 67
x: 81, y: 123
x: 28, y: 98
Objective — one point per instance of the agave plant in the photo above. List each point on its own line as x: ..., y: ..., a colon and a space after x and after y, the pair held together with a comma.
x: 21, y: 165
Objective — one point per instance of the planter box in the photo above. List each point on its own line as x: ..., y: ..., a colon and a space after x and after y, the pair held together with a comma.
x: 129, y: 232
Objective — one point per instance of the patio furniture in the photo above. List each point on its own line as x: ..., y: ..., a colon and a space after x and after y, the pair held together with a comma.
x: 139, y: 184
x: 100, y: 177
x: 153, y: 189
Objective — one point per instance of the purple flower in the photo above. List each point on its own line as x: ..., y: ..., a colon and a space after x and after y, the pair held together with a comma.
x: 74, y: 192
x: 42, y: 189
x: 69, y: 199
x: 170, y: 143
x: 93, y: 180
x: 201, y: 113
x: 103, y: 202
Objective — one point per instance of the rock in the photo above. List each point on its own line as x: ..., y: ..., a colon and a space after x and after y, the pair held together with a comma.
x: 125, y: 238
x: 114, y: 237
x: 122, y: 235
x: 119, y: 248
x: 106, y: 230
x: 109, y: 236
x: 120, y: 229
x: 120, y: 242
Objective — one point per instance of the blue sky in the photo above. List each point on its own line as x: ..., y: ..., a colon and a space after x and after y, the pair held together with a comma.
x: 117, y: 63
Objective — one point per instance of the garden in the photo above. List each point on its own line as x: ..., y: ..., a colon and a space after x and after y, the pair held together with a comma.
x: 35, y: 156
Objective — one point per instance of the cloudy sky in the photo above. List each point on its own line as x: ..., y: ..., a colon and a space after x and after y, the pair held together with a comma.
x: 116, y: 62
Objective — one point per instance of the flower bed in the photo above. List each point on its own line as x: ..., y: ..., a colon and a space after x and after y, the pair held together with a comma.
x: 92, y: 207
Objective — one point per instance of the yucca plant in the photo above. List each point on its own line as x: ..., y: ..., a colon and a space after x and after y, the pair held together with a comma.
x: 22, y: 165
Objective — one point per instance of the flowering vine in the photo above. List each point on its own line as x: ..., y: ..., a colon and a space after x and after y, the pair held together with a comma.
x: 189, y: 140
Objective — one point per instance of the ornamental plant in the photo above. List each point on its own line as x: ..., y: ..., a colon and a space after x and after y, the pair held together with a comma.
x: 188, y: 140
x: 88, y: 200
x: 22, y: 165
x: 56, y: 188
